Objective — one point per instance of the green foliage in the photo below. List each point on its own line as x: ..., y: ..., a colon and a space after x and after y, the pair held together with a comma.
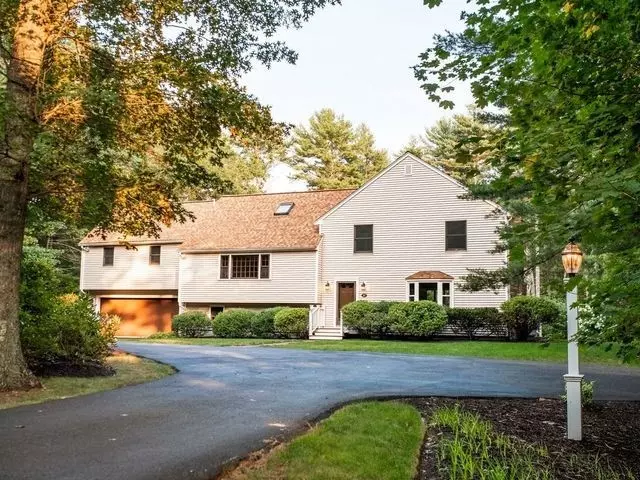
x: 418, y: 319
x: 523, y: 314
x: 161, y: 336
x: 569, y: 161
x: 367, y: 318
x: 70, y: 331
x: 263, y: 323
x: 235, y: 323
x: 191, y: 324
x: 586, y: 393
x: 292, y: 322
x: 331, y: 153
x: 460, y: 145
x: 469, y: 321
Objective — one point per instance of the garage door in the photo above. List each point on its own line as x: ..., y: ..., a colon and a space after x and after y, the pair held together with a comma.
x: 141, y: 317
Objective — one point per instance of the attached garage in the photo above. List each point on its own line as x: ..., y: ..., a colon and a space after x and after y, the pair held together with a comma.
x: 141, y: 317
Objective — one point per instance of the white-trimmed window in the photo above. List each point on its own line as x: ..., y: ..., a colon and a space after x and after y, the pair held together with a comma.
x: 439, y: 291
x: 257, y: 266
x: 107, y: 256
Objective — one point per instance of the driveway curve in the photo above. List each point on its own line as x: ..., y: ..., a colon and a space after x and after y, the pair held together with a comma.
x: 227, y: 402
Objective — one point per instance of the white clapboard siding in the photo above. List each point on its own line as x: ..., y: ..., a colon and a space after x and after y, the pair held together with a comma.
x: 408, y: 213
x: 291, y: 281
x: 130, y: 269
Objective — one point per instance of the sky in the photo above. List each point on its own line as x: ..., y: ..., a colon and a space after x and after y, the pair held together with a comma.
x: 356, y: 59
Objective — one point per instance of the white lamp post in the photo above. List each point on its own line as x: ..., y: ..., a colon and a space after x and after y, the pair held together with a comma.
x: 572, y: 260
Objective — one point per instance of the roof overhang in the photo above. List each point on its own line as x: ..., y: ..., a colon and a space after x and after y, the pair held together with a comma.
x: 249, y: 250
x: 429, y: 275
x: 116, y: 243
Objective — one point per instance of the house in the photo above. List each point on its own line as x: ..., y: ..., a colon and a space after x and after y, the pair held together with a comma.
x: 405, y: 235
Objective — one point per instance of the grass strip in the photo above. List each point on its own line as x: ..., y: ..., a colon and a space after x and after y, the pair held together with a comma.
x: 530, y: 351
x: 130, y: 370
x: 363, y: 441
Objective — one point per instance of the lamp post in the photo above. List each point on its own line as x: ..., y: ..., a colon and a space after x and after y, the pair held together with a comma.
x: 572, y: 260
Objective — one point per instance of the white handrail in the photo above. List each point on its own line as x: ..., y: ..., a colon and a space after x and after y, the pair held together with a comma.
x: 313, y: 318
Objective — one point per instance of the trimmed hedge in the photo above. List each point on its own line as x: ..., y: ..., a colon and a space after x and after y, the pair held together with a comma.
x: 191, y: 324
x: 367, y: 318
x: 292, y: 322
x: 419, y: 319
x: 523, y: 314
x: 234, y: 323
x: 468, y: 321
x: 263, y: 323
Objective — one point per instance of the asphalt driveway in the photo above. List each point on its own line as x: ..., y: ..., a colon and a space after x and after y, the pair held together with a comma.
x: 227, y: 402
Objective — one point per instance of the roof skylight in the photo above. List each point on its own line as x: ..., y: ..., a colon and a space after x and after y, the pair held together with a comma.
x: 284, y: 208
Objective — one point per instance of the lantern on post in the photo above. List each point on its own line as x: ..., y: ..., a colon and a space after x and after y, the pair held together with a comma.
x: 572, y: 261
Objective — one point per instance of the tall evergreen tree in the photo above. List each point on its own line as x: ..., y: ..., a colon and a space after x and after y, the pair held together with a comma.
x: 460, y: 145
x: 331, y: 153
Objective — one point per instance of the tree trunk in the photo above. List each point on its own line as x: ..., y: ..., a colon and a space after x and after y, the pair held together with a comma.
x: 20, y: 130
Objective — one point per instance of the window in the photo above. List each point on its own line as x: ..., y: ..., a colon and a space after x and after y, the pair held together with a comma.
x: 264, y: 266
x: 284, y: 208
x: 363, y: 238
x: 215, y: 311
x: 435, y: 291
x: 154, y: 255
x: 446, y: 294
x: 245, y: 266
x: 456, y: 235
x: 107, y: 256
x: 224, y: 266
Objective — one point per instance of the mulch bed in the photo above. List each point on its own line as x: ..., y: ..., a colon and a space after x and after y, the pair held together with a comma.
x: 60, y: 368
x: 611, y: 430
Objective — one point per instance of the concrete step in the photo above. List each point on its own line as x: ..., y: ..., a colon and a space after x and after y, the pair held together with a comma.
x: 325, y: 337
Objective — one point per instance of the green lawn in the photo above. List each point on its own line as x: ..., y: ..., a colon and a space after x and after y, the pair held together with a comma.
x: 130, y: 370
x: 214, y: 342
x: 363, y: 441
x: 555, y: 352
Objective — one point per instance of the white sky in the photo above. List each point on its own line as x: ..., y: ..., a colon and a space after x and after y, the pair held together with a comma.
x: 356, y: 59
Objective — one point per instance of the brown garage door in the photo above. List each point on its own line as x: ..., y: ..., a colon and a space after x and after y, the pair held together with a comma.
x: 141, y: 317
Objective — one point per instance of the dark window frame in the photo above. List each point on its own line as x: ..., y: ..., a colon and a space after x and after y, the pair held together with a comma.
x: 360, y: 237
x: 263, y: 267
x: 285, y: 212
x: 155, y: 258
x: 450, y: 237
x: 111, y: 256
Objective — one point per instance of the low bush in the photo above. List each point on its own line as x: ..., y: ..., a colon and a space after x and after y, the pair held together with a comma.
x: 71, y: 335
x: 367, y: 318
x: 419, y: 319
x: 523, y: 314
x: 292, y: 322
x: 263, y: 323
x: 162, y: 335
x: 233, y: 323
x: 191, y: 324
x: 469, y: 321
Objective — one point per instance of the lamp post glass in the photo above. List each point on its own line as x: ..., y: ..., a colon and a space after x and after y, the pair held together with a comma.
x: 571, y: 261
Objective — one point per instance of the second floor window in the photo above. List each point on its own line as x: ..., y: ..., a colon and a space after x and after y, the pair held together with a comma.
x: 154, y: 255
x: 456, y: 235
x: 245, y: 266
x: 363, y: 239
x: 107, y: 256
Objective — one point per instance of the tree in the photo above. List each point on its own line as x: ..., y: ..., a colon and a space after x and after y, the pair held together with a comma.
x: 567, y: 74
x: 331, y: 153
x: 460, y: 145
x: 106, y: 107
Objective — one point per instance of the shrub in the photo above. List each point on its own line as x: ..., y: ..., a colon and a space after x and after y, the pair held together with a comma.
x: 162, y: 335
x: 423, y: 318
x: 523, y: 314
x: 233, y: 323
x: 263, y: 323
x: 191, y: 324
x: 469, y: 321
x: 367, y: 318
x: 292, y: 322
x: 71, y: 333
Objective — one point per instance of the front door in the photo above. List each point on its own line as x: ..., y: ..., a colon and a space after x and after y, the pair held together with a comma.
x: 346, y: 294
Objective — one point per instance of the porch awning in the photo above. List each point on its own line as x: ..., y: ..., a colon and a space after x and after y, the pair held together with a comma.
x: 429, y: 275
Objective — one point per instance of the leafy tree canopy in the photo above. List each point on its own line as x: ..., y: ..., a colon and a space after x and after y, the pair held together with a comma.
x: 567, y: 74
x: 332, y: 153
